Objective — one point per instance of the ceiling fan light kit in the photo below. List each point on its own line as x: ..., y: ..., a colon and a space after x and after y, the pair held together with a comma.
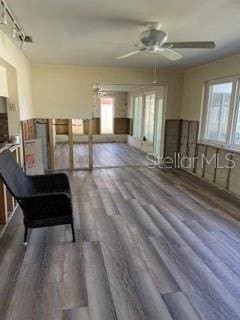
x: 154, y: 40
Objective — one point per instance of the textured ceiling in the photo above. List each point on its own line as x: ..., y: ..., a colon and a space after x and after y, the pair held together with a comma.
x: 94, y: 32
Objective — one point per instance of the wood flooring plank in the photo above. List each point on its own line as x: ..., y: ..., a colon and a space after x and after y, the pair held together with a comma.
x: 12, y: 254
x: 142, y: 219
x: 162, y: 277
x: 230, y: 257
x: 108, y: 203
x: 212, y: 196
x: 39, y: 279
x: 127, y: 287
x: 124, y: 209
x: 76, y: 213
x: 165, y: 227
x: 182, y: 204
x: 145, y: 284
x: 88, y: 230
x: 179, y: 307
x: 74, y: 285
x: 39, y: 297
x: 48, y: 304
x: 223, y: 272
x: 111, y: 186
x: 126, y: 194
x: 121, y: 285
x: 99, y: 295
x: 157, y: 247
x: 201, y: 287
x: 76, y: 314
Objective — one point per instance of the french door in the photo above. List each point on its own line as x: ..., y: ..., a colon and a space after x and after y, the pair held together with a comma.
x: 148, y: 120
x: 159, y: 127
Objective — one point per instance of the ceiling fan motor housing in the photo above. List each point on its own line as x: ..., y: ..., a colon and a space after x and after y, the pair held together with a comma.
x: 153, y: 37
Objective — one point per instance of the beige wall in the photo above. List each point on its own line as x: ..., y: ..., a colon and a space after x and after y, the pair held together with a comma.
x: 66, y: 91
x: 15, y: 57
x: 194, y: 82
x: 13, y: 99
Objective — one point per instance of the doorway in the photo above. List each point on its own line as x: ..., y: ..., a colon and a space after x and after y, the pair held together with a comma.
x: 127, y: 123
x: 107, y: 116
x: 131, y: 123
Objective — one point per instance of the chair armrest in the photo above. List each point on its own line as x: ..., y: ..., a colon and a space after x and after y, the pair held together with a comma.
x: 46, y: 205
x: 55, y: 182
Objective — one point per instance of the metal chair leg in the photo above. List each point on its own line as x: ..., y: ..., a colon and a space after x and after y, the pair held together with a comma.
x: 25, y: 236
x: 73, y: 232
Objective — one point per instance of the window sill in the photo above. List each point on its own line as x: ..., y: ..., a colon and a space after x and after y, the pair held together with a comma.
x: 220, y: 146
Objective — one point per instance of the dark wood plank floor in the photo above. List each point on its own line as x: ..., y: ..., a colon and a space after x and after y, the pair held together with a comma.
x: 151, y: 244
x: 104, y: 155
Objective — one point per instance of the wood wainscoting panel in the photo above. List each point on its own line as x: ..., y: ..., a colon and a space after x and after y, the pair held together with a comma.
x: 61, y: 126
x: 121, y: 125
x: 223, y: 171
x: 234, y: 179
x: 210, y: 166
x: 96, y: 126
x: 172, y: 137
x: 85, y: 126
x: 184, y: 139
x: 200, y: 161
x: 28, y: 129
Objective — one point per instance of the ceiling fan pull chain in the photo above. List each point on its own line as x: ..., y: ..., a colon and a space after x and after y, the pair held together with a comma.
x: 155, y: 70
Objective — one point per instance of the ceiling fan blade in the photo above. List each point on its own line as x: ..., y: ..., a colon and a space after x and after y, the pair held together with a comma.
x: 170, y: 54
x: 126, y: 55
x: 190, y: 45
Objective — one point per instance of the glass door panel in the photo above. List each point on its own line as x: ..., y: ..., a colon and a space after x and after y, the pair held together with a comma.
x: 158, y: 128
x: 148, y: 126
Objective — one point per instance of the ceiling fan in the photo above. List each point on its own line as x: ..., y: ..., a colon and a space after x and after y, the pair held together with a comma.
x: 99, y: 92
x: 154, y: 40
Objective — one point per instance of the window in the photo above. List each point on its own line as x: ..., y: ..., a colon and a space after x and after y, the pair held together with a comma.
x: 237, y: 130
x: 219, y: 99
x: 107, y: 104
x: 221, y: 116
x: 149, y: 117
x: 137, y: 117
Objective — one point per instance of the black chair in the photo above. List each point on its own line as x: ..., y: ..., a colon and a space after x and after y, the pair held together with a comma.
x: 44, y: 199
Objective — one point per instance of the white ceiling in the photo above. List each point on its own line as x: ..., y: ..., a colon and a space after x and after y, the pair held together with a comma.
x: 94, y: 32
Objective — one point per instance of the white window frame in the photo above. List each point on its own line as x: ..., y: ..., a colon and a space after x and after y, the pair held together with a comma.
x: 232, y: 117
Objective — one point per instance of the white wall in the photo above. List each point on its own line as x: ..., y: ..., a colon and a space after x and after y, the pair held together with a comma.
x: 3, y: 82
x: 15, y: 57
x: 66, y: 91
x: 194, y: 81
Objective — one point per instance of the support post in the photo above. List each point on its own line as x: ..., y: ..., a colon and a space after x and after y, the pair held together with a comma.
x: 70, y: 137
x: 90, y: 143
